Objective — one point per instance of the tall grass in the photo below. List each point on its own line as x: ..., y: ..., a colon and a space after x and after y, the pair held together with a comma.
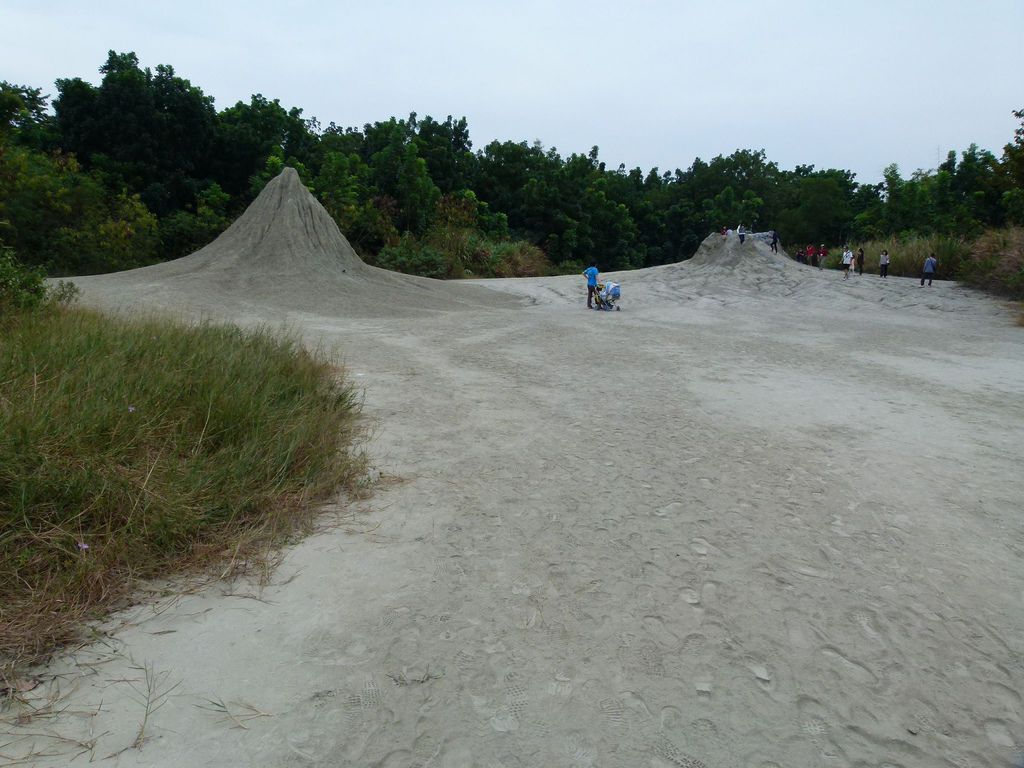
x: 996, y: 262
x: 132, y: 448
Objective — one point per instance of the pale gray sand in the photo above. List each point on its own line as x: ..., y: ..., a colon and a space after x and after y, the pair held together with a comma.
x: 761, y: 517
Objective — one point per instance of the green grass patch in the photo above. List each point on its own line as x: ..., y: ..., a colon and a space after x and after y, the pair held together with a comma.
x: 139, y: 448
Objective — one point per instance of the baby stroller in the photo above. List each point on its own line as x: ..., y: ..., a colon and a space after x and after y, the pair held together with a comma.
x: 608, y: 296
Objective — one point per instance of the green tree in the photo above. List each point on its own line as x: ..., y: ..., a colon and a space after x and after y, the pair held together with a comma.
x: 148, y: 131
x: 822, y: 214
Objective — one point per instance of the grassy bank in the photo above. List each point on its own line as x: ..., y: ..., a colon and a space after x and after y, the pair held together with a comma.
x: 136, y: 449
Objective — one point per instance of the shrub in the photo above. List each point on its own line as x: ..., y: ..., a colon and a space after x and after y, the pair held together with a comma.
x: 448, y: 251
x: 415, y: 258
x: 24, y: 288
x: 519, y: 259
x: 21, y: 287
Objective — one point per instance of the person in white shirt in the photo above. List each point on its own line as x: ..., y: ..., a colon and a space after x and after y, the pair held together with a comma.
x: 883, y: 264
x: 847, y: 261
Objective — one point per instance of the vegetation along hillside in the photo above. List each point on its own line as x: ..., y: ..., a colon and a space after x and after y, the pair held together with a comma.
x: 144, y: 168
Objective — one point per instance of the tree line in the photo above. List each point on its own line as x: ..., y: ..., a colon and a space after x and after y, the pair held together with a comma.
x: 143, y: 168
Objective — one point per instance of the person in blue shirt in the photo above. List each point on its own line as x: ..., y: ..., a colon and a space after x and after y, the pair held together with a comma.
x: 930, y: 264
x: 591, y: 274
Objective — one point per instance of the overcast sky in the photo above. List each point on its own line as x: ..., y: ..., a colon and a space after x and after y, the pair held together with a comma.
x: 854, y: 85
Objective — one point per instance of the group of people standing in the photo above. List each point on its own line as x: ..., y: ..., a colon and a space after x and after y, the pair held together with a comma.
x: 855, y: 261
x: 815, y: 257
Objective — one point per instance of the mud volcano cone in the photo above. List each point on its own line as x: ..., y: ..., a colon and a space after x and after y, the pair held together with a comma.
x: 286, y: 252
x: 284, y: 232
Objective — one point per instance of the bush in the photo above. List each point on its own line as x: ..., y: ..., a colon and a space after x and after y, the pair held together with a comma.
x: 414, y: 258
x: 518, y: 258
x: 453, y: 252
x: 21, y: 287
x: 128, y: 449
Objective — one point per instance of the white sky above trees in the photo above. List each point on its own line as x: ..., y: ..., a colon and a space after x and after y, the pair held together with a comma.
x: 848, y: 84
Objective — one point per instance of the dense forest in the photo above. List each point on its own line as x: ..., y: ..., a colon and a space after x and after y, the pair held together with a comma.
x: 144, y: 168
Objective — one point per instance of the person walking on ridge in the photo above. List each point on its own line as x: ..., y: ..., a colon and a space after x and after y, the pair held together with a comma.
x: 928, y: 271
x: 860, y: 262
x: 591, y: 274
x: 775, y: 241
x: 822, y: 253
x: 741, y: 232
x: 883, y: 264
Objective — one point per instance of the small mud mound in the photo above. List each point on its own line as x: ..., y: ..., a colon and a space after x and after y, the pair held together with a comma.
x: 720, y: 251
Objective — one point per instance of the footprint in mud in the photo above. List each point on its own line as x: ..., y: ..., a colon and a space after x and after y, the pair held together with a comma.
x: 395, y: 616
x: 667, y: 750
x: 426, y: 747
x: 923, y: 718
x: 802, y: 634
x: 561, y: 684
x: 446, y: 568
x: 579, y: 749
x: 673, y: 510
x: 814, y: 720
x: 709, y: 593
x: 977, y: 636
x: 704, y: 738
x: 404, y: 663
x: 324, y: 646
x: 317, y: 733
x: 998, y: 733
x: 694, y: 645
x: 672, y: 719
x: 1008, y: 699
x: 521, y: 587
x: 371, y: 696
x: 517, y: 698
x: 644, y: 656
x: 867, y: 621
x: 661, y: 634
x: 848, y: 668
x: 761, y: 671
x: 613, y: 711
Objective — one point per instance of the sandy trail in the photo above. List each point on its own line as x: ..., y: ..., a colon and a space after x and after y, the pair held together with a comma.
x: 761, y: 517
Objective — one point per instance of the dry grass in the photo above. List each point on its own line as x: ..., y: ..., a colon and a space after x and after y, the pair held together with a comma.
x: 140, y: 449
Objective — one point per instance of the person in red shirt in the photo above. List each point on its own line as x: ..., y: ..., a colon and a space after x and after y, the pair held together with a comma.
x: 822, y: 253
